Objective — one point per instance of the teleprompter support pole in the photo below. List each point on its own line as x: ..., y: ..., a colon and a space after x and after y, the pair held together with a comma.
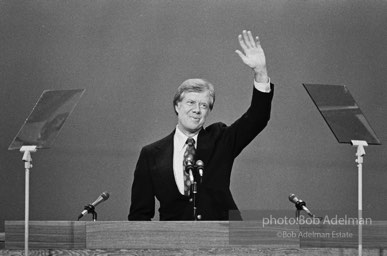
x: 27, y: 165
x: 360, y: 144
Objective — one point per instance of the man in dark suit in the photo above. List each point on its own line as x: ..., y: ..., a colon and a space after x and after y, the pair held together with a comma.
x: 162, y: 165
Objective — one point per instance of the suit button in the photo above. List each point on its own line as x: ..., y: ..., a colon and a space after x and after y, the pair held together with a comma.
x: 199, y: 217
x: 190, y: 200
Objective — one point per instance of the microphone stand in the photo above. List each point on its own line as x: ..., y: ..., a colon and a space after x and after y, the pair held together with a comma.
x: 90, y: 209
x: 26, y: 150
x: 299, y: 206
x: 194, y: 192
x: 192, y: 169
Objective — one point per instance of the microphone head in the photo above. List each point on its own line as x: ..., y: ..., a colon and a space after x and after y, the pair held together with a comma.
x: 200, y: 166
x: 199, y: 163
x: 189, y: 160
x: 105, y: 195
x: 293, y: 198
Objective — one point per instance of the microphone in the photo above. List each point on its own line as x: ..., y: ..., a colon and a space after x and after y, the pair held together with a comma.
x: 189, y: 167
x: 300, y: 205
x: 200, y: 167
x: 90, y: 208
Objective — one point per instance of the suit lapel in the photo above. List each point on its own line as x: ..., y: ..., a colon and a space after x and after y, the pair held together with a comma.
x: 164, y: 161
x: 205, y: 146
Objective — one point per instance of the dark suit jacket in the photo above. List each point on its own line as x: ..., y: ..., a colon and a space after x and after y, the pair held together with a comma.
x: 217, y: 146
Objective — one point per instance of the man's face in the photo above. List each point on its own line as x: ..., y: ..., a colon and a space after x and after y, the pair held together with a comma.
x: 192, y: 111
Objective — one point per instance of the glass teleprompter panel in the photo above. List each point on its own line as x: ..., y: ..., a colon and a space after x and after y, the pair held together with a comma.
x: 46, y: 119
x: 341, y: 112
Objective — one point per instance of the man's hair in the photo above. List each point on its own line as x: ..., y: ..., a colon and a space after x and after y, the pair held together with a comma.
x: 194, y: 85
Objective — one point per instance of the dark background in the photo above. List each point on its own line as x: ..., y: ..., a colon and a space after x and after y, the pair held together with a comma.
x: 130, y: 56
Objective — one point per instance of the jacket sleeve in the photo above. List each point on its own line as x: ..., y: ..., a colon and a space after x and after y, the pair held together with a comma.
x: 142, y: 198
x: 251, y: 123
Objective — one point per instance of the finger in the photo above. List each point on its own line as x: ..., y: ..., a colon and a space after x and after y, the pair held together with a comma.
x: 242, y: 43
x: 240, y: 54
x: 246, y: 39
x: 251, y: 38
x: 257, y: 41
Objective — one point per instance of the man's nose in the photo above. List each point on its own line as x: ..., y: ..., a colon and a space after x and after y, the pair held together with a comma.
x: 196, y: 108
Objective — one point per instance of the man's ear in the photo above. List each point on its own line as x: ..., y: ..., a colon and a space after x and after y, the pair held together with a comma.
x: 177, y: 112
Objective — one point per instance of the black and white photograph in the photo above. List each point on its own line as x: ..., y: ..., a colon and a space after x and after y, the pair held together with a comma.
x: 193, y: 127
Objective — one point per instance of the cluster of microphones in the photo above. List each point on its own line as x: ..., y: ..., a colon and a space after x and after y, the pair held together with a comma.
x: 194, y: 169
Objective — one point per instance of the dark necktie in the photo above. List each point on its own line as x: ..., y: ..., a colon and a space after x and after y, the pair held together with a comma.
x: 189, y: 155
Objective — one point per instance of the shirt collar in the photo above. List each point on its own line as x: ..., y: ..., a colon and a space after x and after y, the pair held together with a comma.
x: 180, y: 138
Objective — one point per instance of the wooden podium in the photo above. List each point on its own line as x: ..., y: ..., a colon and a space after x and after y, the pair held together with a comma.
x: 174, y: 238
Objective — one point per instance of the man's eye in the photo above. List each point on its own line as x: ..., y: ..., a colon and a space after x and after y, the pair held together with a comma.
x: 204, y: 106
